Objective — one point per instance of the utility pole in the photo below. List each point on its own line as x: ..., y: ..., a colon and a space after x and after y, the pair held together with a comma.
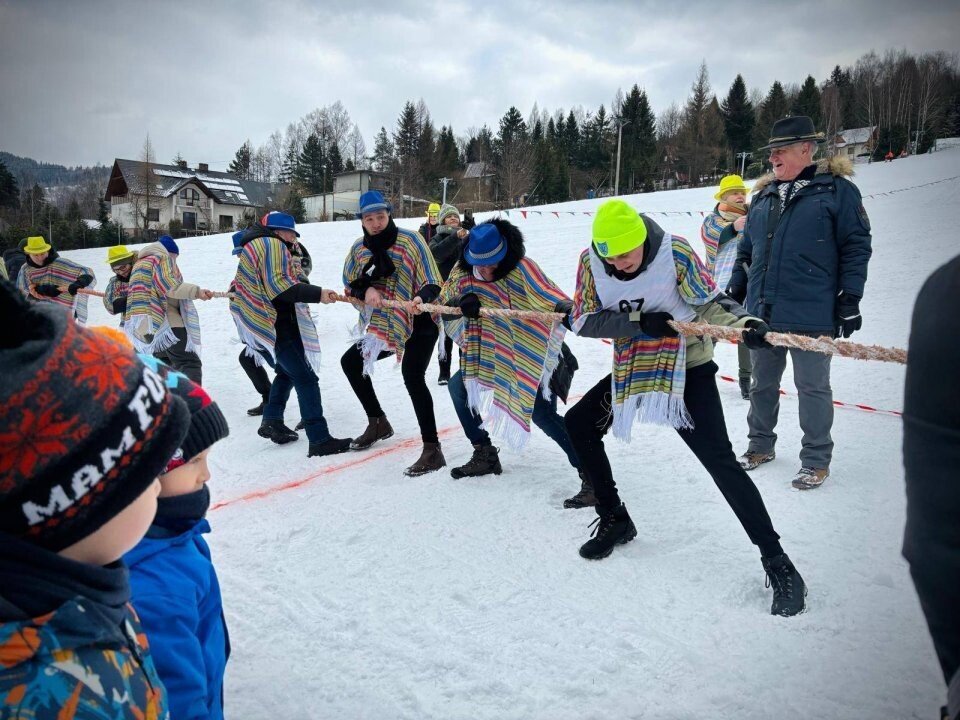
x: 324, y: 191
x: 743, y: 160
x: 616, y: 180
x: 445, y: 180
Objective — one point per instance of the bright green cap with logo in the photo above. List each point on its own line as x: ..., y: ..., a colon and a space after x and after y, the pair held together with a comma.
x: 617, y: 229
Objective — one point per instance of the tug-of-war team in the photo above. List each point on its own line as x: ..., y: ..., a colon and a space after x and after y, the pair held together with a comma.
x: 103, y: 446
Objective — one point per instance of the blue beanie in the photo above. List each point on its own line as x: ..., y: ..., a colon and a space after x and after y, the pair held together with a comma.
x: 237, y: 238
x: 169, y: 244
x: 485, y: 245
x: 277, y: 220
x: 372, y: 201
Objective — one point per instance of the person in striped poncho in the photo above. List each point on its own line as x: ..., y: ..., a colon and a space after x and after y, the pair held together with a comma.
x: 121, y: 262
x: 632, y: 280
x: 389, y: 263
x: 269, y: 308
x: 507, y: 367
x: 48, y: 277
x: 720, y: 232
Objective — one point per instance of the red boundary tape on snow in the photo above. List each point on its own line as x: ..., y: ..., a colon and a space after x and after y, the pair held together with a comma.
x: 836, y: 403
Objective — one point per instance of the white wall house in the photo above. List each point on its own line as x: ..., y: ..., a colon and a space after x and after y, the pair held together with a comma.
x: 344, y: 201
x: 201, y: 200
x: 854, y: 142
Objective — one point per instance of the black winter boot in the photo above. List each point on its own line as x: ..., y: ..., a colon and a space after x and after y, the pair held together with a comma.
x: 485, y: 460
x: 584, y: 498
x: 745, y: 388
x: 332, y: 446
x: 258, y: 410
x: 613, y: 528
x: 301, y: 425
x: 377, y: 429
x: 430, y: 459
x: 278, y: 432
x: 789, y: 590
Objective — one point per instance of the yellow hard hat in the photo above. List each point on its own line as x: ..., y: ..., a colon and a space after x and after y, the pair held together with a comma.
x: 36, y: 245
x: 119, y: 255
x: 433, y: 209
x: 617, y: 229
x: 728, y: 184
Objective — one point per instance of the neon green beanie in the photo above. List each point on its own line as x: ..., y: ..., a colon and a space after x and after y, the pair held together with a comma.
x: 617, y: 229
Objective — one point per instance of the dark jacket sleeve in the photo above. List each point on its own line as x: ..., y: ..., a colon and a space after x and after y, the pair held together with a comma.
x: 931, y: 456
x: 608, y: 324
x: 738, y: 278
x: 853, y: 238
x: 445, y: 247
x: 301, y: 292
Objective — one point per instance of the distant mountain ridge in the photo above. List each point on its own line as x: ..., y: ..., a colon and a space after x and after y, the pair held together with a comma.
x: 28, y: 171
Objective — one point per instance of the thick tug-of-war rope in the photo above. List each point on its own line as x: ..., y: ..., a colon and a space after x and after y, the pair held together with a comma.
x: 825, y: 345
x: 97, y: 293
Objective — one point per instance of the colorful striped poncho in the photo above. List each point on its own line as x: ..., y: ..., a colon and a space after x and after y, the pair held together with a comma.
x: 154, y: 276
x: 649, y: 373
x: 116, y: 289
x: 388, y: 328
x: 60, y: 272
x: 505, y: 362
x: 719, y: 239
x: 266, y: 269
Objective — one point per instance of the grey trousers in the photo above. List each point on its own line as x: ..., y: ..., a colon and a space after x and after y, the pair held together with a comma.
x: 811, y: 374
x: 743, y: 359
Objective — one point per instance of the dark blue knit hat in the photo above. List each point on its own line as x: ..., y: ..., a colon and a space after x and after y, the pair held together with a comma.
x: 373, y: 201
x: 486, y: 246
x: 169, y: 244
x: 277, y: 220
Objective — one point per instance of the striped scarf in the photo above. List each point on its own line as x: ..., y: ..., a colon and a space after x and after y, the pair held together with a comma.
x: 60, y: 272
x: 267, y: 268
x: 506, y: 362
x: 720, y: 260
x: 153, y: 278
x: 116, y: 288
x: 389, y: 328
x: 649, y: 374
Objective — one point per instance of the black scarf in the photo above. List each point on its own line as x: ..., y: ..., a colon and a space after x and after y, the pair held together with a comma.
x: 34, y: 581
x: 51, y: 256
x: 177, y: 514
x: 380, y: 265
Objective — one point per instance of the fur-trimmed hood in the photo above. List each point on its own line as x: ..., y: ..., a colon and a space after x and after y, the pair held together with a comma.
x: 838, y: 165
x: 515, y: 249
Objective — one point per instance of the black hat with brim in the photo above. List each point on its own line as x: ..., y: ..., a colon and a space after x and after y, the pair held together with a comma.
x: 790, y: 130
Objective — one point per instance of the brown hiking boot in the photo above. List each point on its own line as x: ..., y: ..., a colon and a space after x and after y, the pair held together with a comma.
x: 752, y: 460
x: 808, y: 478
x: 584, y: 498
x: 430, y: 459
x: 377, y: 429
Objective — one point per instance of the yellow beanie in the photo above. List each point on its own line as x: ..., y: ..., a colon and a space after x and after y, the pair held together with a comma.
x: 119, y: 254
x: 728, y: 184
x: 617, y: 229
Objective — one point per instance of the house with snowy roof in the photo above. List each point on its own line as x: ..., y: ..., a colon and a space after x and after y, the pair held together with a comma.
x: 854, y: 142
x: 202, y: 200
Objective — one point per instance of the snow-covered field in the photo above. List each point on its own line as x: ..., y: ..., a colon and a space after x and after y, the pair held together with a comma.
x: 355, y: 592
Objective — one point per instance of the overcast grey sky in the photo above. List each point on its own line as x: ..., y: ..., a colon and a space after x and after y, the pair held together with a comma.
x: 83, y: 81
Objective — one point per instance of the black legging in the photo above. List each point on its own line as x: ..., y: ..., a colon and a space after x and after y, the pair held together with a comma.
x: 448, y: 351
x: 589, y: 420
x: 179, y: 358
x: 416, y: 358
x: 257, y: 374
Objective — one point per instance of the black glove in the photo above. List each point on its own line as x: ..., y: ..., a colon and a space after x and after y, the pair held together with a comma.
x: 358, y: 287
x: 655, y: 324
x: 47, y: 290
x: 737, y: 292
x: 848, y: 318
x: 565, y: 307
x: 470, y: 305
x: 120, y: 305
x: 753, y: 338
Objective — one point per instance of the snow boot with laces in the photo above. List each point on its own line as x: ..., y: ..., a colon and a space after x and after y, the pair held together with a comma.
x: 485, y: 460
x: 751, y: 460
x: 789, y: 590
x: 613, y: 527
x: 378, y: 428
x: 430, y: 459
x: 276, y: 431
x: 584, y: 498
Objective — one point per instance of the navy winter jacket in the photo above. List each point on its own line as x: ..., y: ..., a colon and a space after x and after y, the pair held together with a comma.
x: 801, y: 259
x: 177, y: 596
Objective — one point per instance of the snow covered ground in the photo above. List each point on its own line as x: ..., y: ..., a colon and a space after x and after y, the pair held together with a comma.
x: 352, y: 591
